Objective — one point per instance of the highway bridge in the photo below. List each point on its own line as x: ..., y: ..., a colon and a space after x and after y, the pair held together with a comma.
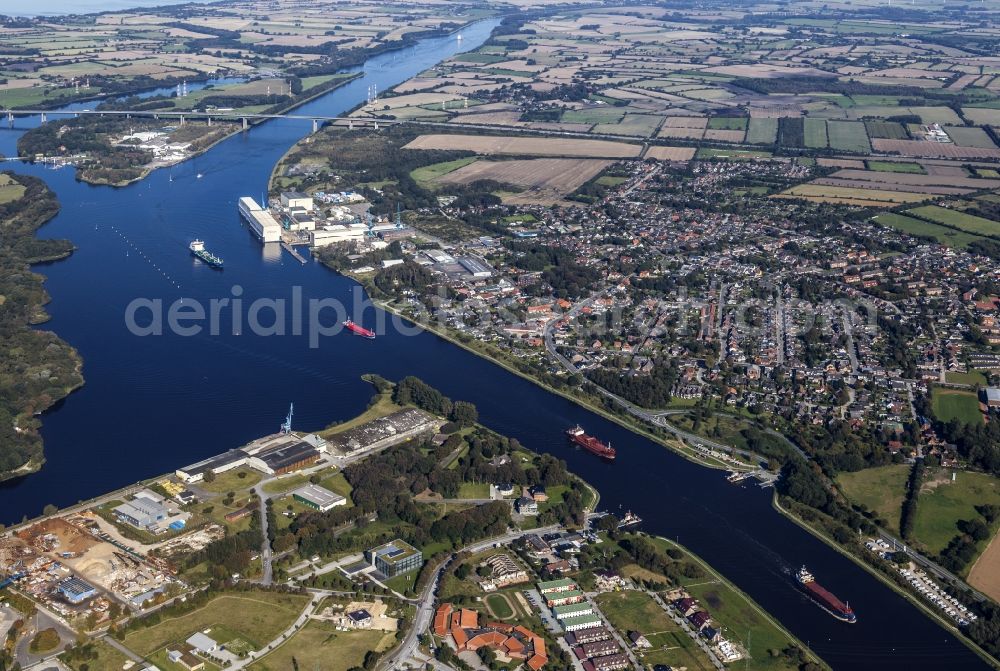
x: 185, y: 115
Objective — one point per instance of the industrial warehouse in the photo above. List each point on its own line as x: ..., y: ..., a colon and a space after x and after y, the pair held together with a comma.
x: 274, y: 455
x: 389, y: 430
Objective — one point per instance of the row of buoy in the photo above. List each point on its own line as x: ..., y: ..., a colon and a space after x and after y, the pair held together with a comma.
x: 141, y: 253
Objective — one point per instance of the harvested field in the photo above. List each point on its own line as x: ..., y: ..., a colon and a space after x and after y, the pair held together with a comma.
x: 840, y: 163
x: 670, y: 153
x: 875, y: 183
x: 927, y: 149
x: 686, y: 122
x: 724, y: 135
x: 839, y: 194
x: 526, y: 146
x: 984, y: 116
x: 914, y: 179
x: 547, y: 180
x: 682, y: 133
x: 985, y: 573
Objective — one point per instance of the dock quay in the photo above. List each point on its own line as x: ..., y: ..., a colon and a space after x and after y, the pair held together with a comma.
x: 291, y: 250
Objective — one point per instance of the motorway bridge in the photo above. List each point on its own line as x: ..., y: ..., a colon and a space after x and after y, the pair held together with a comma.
x: 184, y: 116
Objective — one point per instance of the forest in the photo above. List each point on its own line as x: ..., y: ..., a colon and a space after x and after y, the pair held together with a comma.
x: 37, y: 369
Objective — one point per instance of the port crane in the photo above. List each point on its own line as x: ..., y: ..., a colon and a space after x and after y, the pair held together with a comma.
x: 287, y: 426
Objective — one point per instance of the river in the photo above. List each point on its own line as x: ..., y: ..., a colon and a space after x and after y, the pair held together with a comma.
x: 151, y: 404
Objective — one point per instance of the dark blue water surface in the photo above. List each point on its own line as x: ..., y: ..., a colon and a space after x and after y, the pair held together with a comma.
x: 151, y: 404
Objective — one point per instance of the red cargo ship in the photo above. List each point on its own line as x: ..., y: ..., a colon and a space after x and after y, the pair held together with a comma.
x: 358, y: 330
x: 589, y: 443
x: 823, y: 598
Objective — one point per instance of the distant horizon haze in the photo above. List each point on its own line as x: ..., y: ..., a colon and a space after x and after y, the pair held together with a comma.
x: 62, y: 7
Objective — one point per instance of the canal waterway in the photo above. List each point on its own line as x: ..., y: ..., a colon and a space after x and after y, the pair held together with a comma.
x: 151, y: 404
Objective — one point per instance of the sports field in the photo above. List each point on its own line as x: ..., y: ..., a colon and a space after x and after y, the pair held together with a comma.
x: 949, y: 404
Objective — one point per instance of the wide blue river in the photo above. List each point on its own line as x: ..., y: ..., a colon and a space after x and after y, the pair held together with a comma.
x: 151, y: 404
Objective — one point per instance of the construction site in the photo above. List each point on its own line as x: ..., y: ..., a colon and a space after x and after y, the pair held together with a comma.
x: 74, y: 567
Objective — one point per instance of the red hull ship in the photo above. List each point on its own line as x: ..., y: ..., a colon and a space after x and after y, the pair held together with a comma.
x: 589, y: 443
x: 823, y: 598
x: 358, y: 330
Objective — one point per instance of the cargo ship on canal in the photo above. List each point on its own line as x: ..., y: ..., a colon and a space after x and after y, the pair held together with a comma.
x: 359, y: 330
x: 198, y: 250
x: 823, y: 598
x: 579, y: 437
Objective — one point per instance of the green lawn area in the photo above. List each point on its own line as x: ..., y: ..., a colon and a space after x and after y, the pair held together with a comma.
x: 676, y: 650
x: 233, y: 481
x: 10, y: 190
x: 424, y: 176
x: 633, y: 610
x: 943, y: 503
x: 105, y: 658
x: 736, y: 615
x: 896, y: 166
x: 499, y: 605
x: 972, y: 377
x: 611, y: 180
x: 728, y: 123
x: 880, y: 489
x: 474, y: 490
x: 944, y: 235
x: 949, y: 404
x: 258, y: 617
x: 960, y: 220
x: 319, y: 645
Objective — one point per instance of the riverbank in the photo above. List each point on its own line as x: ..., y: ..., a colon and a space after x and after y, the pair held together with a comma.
x: 736, y: 627
x: 37, y: 368
x: 906, y: 594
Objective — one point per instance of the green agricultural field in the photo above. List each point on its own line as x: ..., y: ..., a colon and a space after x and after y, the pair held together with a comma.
x: 943, y: 503
x: 944, y: 235
x: 889, y: 130
x: 727, y: 123
x: 848, y: 136
x: 319, y: 645
x: 896, y: 166
x: 593, y: 116
x: 815, y: 133
x: 881, y: 490
x: 969, y: 136
x: 959, y: 220
x: 949, y: 404
x: 638, y: 125
x: 762, y: 131
x: 258, y: 617
x: 425, y: 176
